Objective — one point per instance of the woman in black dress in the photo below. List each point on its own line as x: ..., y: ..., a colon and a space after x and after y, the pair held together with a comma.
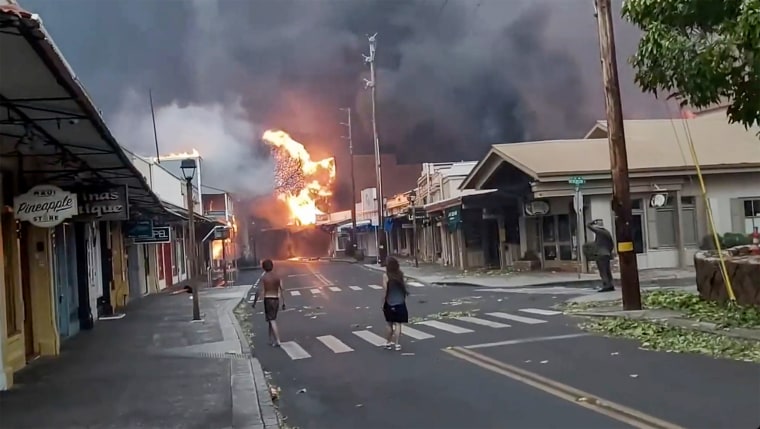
x: 394, y: 302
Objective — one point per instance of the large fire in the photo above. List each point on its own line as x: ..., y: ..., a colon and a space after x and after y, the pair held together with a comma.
x: 300, y: 182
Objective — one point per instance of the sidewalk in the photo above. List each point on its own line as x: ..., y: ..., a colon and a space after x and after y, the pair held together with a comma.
x: 437, y: 274
x: 151, y: 369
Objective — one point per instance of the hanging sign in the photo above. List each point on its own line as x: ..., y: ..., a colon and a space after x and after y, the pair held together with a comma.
x: 161, y: 234
x: 139, y: 229
x: 102, y: 204
x: 45, y: 206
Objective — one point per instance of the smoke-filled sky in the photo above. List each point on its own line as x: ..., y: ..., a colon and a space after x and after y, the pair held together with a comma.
x: 453, y: 76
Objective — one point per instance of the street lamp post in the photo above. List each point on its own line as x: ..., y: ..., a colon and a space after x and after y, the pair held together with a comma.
x: 188, y: 167
x: 412, y: 199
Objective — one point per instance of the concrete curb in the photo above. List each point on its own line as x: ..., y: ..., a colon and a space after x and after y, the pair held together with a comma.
x: 677, y: 322
x: 249, y: 385
x: 580, y: 284
x: 345, y: 261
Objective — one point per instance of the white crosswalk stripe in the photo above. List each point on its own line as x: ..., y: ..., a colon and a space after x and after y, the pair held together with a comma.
x: 295, y: 293
x: 445, y: 327
x: 521, y: 319
x: 295, y: 351
x: 483, y: 322
x: 540, y: 311
x: 415, y: 284
x: 315, y: 291
x: 414, y: 333
x: 355, y: 288
x: 370, y: 337
x: 334, y: 344
x: 335, y: 288
x: 375, y: 286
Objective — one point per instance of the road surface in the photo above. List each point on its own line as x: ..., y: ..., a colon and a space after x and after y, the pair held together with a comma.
x: 479, y: 358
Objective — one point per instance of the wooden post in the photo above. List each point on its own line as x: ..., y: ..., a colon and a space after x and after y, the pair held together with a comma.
x: 621, y: 198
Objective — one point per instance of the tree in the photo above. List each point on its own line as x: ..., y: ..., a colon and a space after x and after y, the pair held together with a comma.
x: 701, y: 52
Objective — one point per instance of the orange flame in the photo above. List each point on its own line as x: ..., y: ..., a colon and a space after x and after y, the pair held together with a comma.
x: 302, y: 201
x: 181, y: 155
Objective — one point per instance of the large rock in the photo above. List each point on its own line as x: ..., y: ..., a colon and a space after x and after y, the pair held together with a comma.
x: 743, y: 271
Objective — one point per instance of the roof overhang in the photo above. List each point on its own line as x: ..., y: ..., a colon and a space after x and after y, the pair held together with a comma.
x: 47, y: 112
x: 485, y: 169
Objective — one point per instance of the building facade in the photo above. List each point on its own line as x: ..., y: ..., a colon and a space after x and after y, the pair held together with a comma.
x: 670, y: 214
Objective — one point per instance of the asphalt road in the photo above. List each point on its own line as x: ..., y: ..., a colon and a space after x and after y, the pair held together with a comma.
x: 479, y: 358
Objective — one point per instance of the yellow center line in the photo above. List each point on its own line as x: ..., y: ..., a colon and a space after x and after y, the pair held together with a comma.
x: 610, y: 409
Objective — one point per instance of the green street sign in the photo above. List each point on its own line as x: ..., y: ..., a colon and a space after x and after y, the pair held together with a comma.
x: 577, y: 181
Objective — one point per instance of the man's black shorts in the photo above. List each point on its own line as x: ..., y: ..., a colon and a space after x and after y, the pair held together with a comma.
x: 271, y: 305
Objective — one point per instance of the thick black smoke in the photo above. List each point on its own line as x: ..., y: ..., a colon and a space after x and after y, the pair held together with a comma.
x: 453, y: 76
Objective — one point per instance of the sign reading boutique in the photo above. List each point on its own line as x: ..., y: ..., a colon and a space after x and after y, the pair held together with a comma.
x: 102, y: 204
x: 45, y: 206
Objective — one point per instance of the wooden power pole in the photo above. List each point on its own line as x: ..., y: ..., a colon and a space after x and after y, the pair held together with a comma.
x: 621, y: 197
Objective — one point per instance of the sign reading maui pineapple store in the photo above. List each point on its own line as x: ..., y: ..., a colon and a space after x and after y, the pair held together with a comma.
x: 96, y: 204
x: 45, y: 206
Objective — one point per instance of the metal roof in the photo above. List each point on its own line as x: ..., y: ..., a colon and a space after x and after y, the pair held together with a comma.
x: 47, y: 115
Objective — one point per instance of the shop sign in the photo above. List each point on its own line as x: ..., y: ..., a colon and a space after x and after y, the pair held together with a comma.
x: 45, y: 206
x: 102, y: 204
x: 161, y: 234
x: 453, y: 217
x: 139, y: 229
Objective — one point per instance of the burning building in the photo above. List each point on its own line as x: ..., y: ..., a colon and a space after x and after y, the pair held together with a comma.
x: 303, y: 191
x: 304, y: 185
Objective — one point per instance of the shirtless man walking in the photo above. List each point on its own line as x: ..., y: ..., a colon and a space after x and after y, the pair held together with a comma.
x: 273, y: 295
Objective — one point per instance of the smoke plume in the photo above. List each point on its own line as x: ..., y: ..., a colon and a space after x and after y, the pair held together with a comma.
x: 453, y: 76
x: 221, y: 133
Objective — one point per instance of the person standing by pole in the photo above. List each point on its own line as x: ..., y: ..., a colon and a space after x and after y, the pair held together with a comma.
x: 621, y: 198
x: 605, y: 246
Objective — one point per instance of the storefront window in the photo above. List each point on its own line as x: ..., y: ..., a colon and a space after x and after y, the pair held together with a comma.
x: 558, y: 233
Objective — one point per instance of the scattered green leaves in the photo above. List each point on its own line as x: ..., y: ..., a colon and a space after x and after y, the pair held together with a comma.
x: 660, y: 337
x: 245, y: 317
x: 694, y: 307
x: 575, y: 307
x: 444, y: 315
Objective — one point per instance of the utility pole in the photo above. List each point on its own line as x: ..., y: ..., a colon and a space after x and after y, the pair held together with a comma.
x: 621, y: 198
x: 350, y: 139
x: 372, y: 85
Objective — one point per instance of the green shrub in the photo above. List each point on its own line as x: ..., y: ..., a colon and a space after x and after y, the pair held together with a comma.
x: 731, y: 239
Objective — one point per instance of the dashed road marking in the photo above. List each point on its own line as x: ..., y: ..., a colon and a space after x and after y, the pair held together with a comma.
x: 335, y: 288
x: 414, y: 333
x: 355, y: 288
x: 316, y: 291
x: 540, y: 311
x: 454, y: 329
x: 375, y: 286
x: 295, y: 351
x: 483, y: 322
x: 335, y: 344
x: 521, y: 319
x: 295, y: 293
x: 370, y: 337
